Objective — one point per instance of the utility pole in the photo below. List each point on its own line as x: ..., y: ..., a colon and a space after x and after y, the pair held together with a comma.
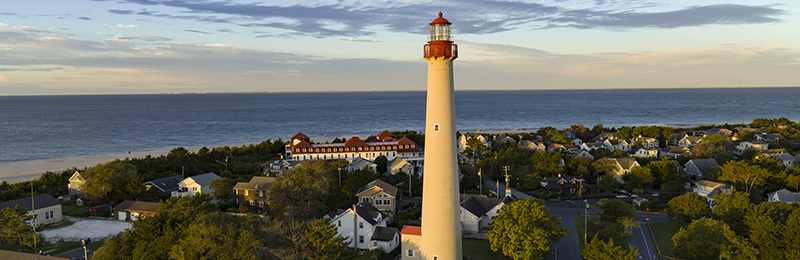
x: 480, y: 182
x: 508, y: 188
x: 340, y: 176
x: 585, y: 220
x: 33, y: 209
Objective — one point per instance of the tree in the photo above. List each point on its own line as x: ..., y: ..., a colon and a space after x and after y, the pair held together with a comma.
x: 523, y: 229
x: 666, y: 170
x: 638, y: 178
x: 598, y: 249
x: 743, y: 175
x: 382, y: 163
x: 221, y: 188
x: 765, y: 228
x: 614, y: 210
x: 707, y: 238
x: 688, y: 207
x: 324, y: 240
x: 14, y: 227
x: 302, y: 192
x: 731, y: 208
x: 289, y: 242
x: 791, y: 235
x: 113, y: 180
x: 671, y: 190
x: 218, y: 236
x: 628, y: 224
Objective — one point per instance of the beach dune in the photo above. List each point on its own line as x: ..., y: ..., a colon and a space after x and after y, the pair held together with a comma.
x: 28, y: 170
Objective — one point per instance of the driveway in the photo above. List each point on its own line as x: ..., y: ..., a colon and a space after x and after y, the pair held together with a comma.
x: 82, y: 228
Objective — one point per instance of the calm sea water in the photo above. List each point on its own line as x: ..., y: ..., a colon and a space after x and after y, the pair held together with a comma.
x: 44, y: 127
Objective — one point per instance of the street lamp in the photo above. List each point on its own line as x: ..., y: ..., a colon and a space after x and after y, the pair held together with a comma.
x: 85, y: 255
x: 340, y: 176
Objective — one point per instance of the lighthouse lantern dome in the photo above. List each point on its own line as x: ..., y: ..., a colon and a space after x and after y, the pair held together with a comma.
x: 440, y: 29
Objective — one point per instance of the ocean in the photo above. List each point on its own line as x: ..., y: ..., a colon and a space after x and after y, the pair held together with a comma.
x: 46, y: 127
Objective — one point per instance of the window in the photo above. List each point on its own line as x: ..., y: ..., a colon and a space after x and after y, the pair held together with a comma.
x: 387, y: 202
x: 410, y: 253
x: 246, y: 192
x: 364, y: 199
x: 435, y: 129
x: 436, y: 257
x: 361, y: 225
x: 374, y: 243
x: 261, y: 204
x: 252, y: 202
x: 261, y: 193
x: 46, y: 215
x: 339, y: 223
x: 361, y: 239
x: 378, y: 202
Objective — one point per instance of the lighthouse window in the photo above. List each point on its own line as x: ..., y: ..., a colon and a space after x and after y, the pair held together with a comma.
x: 436, y: 128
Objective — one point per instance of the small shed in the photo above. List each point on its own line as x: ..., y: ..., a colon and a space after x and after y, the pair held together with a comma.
x: 132, y: 210
x: 100, y: 211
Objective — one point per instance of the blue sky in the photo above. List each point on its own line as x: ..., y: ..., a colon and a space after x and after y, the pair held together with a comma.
x: 154, y: 46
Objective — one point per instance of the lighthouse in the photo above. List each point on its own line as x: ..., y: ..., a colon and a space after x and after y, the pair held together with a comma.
x: 441, y: 229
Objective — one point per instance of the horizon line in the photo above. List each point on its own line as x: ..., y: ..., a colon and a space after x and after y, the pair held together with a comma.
x: 362, y: 91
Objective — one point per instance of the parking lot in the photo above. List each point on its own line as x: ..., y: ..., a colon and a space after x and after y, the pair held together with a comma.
x: 86, y: 228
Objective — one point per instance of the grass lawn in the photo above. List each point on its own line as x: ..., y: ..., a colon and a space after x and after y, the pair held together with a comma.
x: 70, y: 209
x: 478, y: 249
x: 663, y: 233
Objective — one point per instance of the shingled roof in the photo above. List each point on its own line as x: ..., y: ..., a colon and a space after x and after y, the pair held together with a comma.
x: 386, y: 187
x: 166, y: 184
x: 204, y: 179
x: 478, y: 205
x: 141, y: 206
x: 39, y: 201
x: 256, y: 183
x: 384, y: 233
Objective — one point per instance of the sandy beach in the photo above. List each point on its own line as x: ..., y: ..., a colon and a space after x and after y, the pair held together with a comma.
x: 29, y: 170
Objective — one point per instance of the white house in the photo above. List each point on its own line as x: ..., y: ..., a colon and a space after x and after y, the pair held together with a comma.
x: 783, y: 195
x: 399, y: 164
x: 647, y: 142
x: 365, y: 228
x: 360, y: 164
x: 710, y: 189
x: 643, y: 152
x: 623, y: 166
x: 462, y: 141
x: 477, y: 211
x: 76, y: 182
x: 195, y: 184
x: 755, y: 145
x: 46, y: 208
x: 617, y: 144
x: 533, y: 145
x: 786, y: 159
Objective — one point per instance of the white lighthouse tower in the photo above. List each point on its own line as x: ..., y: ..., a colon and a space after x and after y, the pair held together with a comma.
x: 441, y: 231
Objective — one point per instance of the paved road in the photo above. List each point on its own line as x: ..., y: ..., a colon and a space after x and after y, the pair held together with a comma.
x: 568, y: 249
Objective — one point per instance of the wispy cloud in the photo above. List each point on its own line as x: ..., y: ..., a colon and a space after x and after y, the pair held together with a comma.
x: 84, y: 18
x: 356, y: 19
x: 196, y: 31
x: 127, y: 26
x: 356, y: 40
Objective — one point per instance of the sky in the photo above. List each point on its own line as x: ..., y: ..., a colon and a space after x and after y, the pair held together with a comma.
x: 57, y: 47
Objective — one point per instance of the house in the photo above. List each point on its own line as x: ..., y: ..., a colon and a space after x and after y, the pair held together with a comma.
x: 643, y: 152
x: 759, y: 146
x: 360, y: 164
x: 129, y: 210
x: 533, y: 145
x: 168, y: 184
x: 412, y: 237
x: 46, y: 208
x: 638, y: 201
x: 564, y: 184
x: 617, y: 144
x: 14, y: 255
x: 719, y: 131
x: 379, y: 194
x: 254, y: 192
x: 477, y: 211
x: 556, y: 148
x: 689, y: 141
x: 603, y: 136
x: 783, y: 195
x: 504, y: 139
x: 584, y: 153
x: 464, y: 138
x: 623, y: 166
x: 400, y: 165
x: 785, y: 158
x: 647, y: 142
x: 769, y: 138
x: 277, y: 168
x: 697, y: 168
x: 364, y: 227
x: 710, y: 189
x: 592, y: 146
x: 674, y: 151
x: 301, y: 148
x: 577, y: 141
x: 195, y: 184
x: 76, y: 182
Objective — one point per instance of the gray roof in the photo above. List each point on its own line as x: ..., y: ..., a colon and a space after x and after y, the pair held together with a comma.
x: 386, y: 187
x: 478, y: 205
x: 384, y: 233
x: 785, y: 195
x: 166, y: 184
x: 204, y: 179
x: 704, y: 164
x: 256, y: 183
x: 39, y: 201
x: 368, y: 212
x: 625, y: 163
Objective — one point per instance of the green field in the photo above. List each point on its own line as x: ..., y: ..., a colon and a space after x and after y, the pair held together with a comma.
x: 477, y: 249
x: 663, y: 233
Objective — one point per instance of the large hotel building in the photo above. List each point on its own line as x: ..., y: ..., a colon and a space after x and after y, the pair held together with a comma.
x: 301, y: 148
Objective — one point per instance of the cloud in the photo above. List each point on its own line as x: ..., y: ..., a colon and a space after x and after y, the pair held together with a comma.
x: 196, y: 31
x: 356, y: 40
x: 147, y: 38
x: 224, y: 30
x: 690, y: 16
x: 363, y: 18
x: 127, y: 26
x: 85, y: 18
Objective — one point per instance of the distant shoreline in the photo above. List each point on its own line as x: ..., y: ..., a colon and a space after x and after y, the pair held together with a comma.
x: 407, y: 90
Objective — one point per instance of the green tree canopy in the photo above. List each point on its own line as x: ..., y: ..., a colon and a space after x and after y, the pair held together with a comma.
x: 731, y: 208
x: 112, y: 181
x: 598, y: 249
x: 742, y: 175
x: 707, y: 238
x: 615, y: 210
x: 324, y: 240
x: 523, y: 229
x: 688, y: 207
x: 302, y: 192
x: 14, y: 228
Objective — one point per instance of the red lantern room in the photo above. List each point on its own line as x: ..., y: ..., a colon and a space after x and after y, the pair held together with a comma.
x: 440, y: 44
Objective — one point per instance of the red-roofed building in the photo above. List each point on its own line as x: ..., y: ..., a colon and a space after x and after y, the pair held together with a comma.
x: 301, y: 148
x: 411, y: 236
